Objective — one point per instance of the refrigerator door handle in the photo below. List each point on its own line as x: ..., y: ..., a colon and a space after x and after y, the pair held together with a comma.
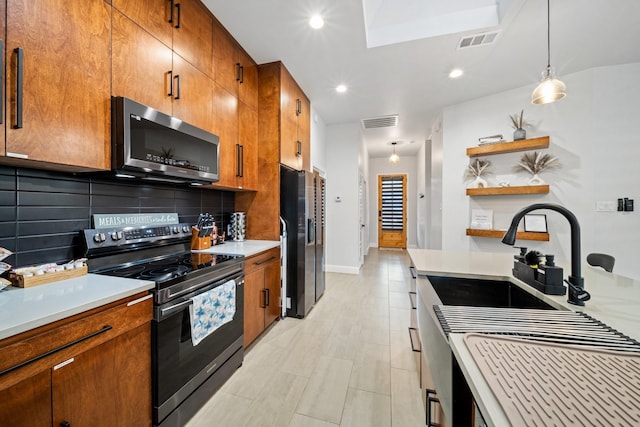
x: 311, y: 230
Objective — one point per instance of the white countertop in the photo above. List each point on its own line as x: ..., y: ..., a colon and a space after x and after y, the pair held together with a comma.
x: 25, y: 309
x: 245, y: 248
x: 615, y: 300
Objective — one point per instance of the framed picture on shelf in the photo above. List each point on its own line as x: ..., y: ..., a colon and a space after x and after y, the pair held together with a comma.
x: 535, y: 223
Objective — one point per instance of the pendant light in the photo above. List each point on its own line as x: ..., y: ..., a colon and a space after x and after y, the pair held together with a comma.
x: 394, y: 158
x: 550, y: 89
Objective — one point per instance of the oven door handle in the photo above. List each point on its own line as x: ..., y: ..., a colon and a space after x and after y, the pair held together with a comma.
x: 168, y: 310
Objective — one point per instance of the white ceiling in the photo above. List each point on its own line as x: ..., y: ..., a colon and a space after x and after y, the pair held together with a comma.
x: 410, y: 78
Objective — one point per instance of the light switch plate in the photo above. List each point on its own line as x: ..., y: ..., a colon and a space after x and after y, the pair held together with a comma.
x: 606, y: 206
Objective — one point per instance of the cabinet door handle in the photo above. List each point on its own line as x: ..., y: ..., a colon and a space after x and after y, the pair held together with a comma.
x: 427, y: 411
x: 170, y: 75
x: 241, y: 74
x: 413, y: 348
x: 298, y: 148
x: 238, y: 71
x: 239, y: 160
x: 177, y: 79
x: 267, y: 294
x: 298, y: 107
x: 171, y: 4
x: 65, y: 424
x: 178, y: 10
x: 19, y: 82
x: 57, y: 349
x: 264, y: 299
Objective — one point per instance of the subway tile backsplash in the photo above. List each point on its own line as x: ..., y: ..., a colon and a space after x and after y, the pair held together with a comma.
x: 42, y: 212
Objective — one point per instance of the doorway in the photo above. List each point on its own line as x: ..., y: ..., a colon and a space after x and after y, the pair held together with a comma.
x: 392, y: 211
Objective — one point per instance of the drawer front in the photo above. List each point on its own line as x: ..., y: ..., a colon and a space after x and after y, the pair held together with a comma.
x: 260, y: 260
x: 47, y: 346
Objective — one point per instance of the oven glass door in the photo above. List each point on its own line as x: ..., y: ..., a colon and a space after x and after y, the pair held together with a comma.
x: 175, y: 359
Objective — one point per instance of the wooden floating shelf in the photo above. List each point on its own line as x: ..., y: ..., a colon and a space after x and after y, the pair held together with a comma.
x: 498, y: 234
x: 509, y: 147
x: 499, y: 191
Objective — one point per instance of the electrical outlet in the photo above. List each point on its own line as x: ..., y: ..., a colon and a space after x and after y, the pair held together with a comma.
x: 605, y: 206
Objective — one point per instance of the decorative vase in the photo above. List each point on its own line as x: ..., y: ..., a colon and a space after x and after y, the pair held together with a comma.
x: 478, y: 183
x: 519, y: 134
x: 536, y: 180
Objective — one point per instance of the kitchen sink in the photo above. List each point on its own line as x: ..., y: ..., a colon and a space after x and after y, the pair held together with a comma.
x: 484, y: 293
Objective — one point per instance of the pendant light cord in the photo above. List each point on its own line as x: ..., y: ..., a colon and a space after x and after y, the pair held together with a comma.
x: 548, y: 38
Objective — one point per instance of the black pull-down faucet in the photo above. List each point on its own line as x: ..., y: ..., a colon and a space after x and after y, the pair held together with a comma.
x: 576, y: 293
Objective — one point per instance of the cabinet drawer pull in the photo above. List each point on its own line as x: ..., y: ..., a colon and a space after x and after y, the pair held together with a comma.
x: 177, y: 9
x: 412, y: 299
x: 19, y: 83
x: 413, y: 348
x: 414, y: 272
x: 266, y: 261
x: 57, y: 349
x: 65, y: 424
x: 171, y: 11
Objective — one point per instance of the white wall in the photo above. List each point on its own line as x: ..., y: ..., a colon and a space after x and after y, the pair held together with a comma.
x: 380, y: 166
x: 344, y: 145
x: 318, y: 142
x: 594, y: 133
x: 434, y: 224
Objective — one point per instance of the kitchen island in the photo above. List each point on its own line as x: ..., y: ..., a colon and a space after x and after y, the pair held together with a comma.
x: 615, y: 301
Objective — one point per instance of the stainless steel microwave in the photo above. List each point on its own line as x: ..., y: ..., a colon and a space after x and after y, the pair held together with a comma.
x: 151, y: 145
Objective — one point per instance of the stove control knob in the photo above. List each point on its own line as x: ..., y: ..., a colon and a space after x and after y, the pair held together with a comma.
x: 99, y: 238
x: 185, y: 229
x: 175, y: 230
x: 116, y: 235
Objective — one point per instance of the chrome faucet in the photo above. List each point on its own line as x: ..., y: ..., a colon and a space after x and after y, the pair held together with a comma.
x: 576, y: 293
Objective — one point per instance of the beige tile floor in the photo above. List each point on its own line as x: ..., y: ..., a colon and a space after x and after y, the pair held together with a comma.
x: 348, y: 363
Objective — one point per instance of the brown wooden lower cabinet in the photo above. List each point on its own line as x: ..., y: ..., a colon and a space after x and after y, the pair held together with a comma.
x: 261, y: 293
x: 93, y: 369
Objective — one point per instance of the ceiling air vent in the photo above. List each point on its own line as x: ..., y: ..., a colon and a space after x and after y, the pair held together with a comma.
x: 475, y: 40
x: 380, y: 122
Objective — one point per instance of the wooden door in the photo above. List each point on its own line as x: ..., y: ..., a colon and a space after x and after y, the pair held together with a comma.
x: 288, y: 121
x: 193, y: 95
x: 248, y: 140
x: 272, y: 286
x: 27, y: 403
x: 392, y: 211
x: 141, y: 65
x: 108, y: 385
x: 152, y: 15
x: 304, y: 131
x: 225, y: 114
x: 193, y: 34
x: 61, y: 50
x: 253, y: 305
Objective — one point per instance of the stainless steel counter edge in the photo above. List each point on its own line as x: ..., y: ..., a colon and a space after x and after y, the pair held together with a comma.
x: 24, y: 309
x: 245, y: 248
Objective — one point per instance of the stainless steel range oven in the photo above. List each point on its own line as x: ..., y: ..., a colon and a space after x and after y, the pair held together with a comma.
x: 186, y: 372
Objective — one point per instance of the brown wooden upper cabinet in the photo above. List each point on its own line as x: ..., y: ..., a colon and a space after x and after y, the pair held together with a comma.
x: 162, y: 57
x: 284, y: 104
x: 235, y: 112
x: 57, y: 84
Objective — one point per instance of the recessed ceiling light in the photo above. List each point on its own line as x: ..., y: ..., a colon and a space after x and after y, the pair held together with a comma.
x: 455, y: 73
x: 316, y: 22
x: 341, y: 88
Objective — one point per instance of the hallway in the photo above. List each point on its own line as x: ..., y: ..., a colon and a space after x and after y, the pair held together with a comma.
x: 349, y: 363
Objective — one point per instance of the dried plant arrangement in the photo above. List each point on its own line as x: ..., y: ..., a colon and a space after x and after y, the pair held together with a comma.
x: 475, y: 170
x: 518, y: 121
x: 534, y: 163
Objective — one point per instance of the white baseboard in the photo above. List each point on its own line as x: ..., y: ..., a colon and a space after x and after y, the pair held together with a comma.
x: 341, y: 269
x: 373, y: 245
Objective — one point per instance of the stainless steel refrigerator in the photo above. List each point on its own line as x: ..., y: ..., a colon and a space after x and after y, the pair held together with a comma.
x: 298, y: 210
